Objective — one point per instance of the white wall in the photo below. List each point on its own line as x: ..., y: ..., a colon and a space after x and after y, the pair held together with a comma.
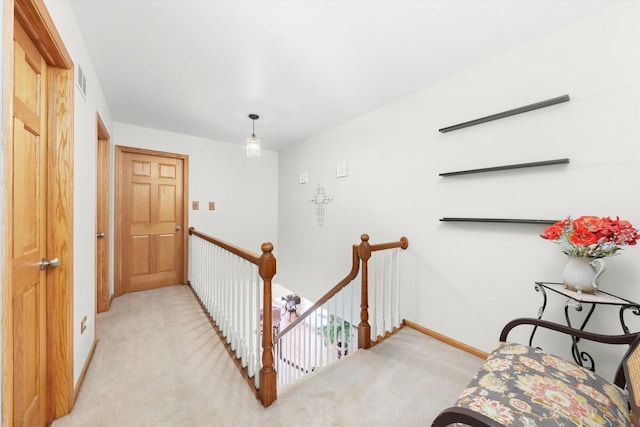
x: 245, y: 190
x: 84, y: 182
x: 466, y: 280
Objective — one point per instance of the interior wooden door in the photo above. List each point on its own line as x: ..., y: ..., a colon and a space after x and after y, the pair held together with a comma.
x: 151, y: 196
x: 38, y: 209
x: 27, y: 220
x: 102, y: 217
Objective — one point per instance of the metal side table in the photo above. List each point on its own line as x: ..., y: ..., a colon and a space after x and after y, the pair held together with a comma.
x: 576, y: 300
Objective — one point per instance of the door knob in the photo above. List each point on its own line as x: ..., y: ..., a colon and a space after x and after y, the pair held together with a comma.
x: 100, y: 235
x: 53, y: 263
x: 178, y: 228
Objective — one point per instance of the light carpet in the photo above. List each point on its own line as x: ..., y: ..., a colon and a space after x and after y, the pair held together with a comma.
x: 158, y: 362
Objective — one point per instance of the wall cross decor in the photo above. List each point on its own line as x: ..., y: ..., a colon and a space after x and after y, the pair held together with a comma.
x: 320, y: 199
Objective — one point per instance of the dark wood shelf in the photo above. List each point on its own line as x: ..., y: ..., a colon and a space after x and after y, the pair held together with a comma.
x: 502, y: 220
x: 506, y: 167
x: 519, y: 110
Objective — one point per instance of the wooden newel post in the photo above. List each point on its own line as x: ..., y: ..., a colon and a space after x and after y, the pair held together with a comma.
x: 267, y: 269
x: 364, y: 328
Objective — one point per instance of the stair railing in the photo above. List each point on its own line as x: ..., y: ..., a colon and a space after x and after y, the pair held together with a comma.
x: 233, y: 285
x: 381, y: 291
x: 326, y: 332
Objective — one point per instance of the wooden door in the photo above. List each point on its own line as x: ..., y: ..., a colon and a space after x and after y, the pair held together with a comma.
x: 27, y: 219
x: 102, y: 217
x: 151, y: 204
x: 37, y: 351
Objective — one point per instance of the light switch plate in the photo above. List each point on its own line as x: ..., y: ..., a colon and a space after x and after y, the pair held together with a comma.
x: 303, y: 177
x: 212, y: 206
x: 342, y: 170
x: 195, y: 205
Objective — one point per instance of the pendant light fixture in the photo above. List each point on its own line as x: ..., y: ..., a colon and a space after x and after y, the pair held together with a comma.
x: 253, y: 143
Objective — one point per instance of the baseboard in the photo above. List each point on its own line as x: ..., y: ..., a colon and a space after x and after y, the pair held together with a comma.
x: 445, y: 339
x: 84, y: 371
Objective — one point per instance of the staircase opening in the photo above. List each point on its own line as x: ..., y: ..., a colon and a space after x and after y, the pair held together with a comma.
x: 277, y: 346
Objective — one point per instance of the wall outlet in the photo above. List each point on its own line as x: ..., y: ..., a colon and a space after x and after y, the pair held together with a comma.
x: 195, y: 205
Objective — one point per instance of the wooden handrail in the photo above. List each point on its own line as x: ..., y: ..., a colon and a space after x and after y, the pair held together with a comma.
x: 402, y: 243
x: 252, y: 257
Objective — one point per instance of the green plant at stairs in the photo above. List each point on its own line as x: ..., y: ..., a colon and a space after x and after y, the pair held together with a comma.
x: 338, y: 331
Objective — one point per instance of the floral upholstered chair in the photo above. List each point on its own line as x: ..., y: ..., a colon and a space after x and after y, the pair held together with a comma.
x: 524, y: 386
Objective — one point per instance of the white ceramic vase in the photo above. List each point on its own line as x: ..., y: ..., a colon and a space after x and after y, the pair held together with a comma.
x: 582, y: 274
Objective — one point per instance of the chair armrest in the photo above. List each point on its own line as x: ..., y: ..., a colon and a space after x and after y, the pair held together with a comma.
x: 456, y: 414
x: 607, y: 339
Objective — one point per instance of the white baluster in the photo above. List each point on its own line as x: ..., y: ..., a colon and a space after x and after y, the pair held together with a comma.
x: 288, y: 356
x: 224, y: 277
x: 248, y: 326
x: 349, y: 289
x: 397, y: 319
x: 278, y: 363
x: 242, y: 313
x: 307, y: 351
x: 373, y: 296
x: 227, y: 296
x: 255, y: 322
x: 335, y: 342
x: 249, y: 308
x: 313, y: 330
x: 327, y: 353
x: 235, y: 304
x: 343, y: 318
x: 217, y: 294
x: 208, y: 253
x: 388, y: 285
x: 231, y: 338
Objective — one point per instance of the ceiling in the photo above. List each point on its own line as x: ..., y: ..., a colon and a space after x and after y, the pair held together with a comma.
x: 200, y: 67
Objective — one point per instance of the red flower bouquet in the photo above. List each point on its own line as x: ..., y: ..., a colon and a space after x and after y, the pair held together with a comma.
x: 592, y: 236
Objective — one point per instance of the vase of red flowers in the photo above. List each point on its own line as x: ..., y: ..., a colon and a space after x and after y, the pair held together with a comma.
x: 583, y: 274
x: 586, y: 240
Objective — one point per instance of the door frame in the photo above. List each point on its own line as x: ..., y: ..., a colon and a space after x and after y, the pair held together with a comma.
x: 35, y: 18
x: 120, y: 152
x: 103, y: 212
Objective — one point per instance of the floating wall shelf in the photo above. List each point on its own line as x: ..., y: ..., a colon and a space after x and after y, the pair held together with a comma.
x: 506, y: 167
x: 530, y: 107
x: 502, y: 220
